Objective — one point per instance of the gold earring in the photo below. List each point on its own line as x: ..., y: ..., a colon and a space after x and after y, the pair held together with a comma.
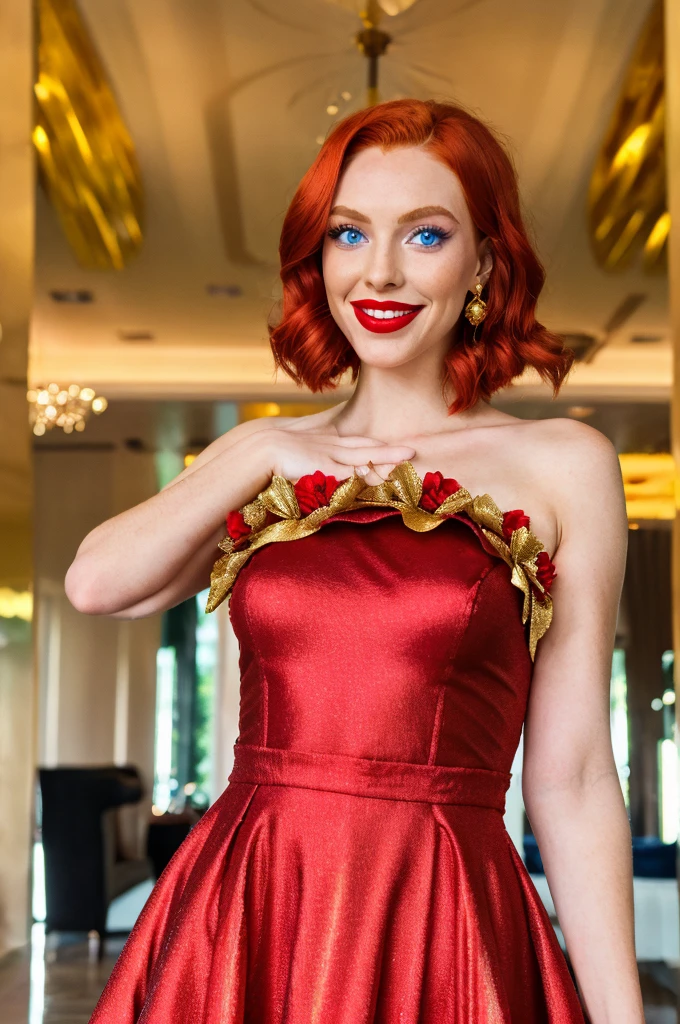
x: 475, y: 310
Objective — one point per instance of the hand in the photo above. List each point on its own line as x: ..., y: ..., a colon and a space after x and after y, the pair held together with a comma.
x: 293, y: 453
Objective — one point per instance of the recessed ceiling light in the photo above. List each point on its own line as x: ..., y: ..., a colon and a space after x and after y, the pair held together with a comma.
x: 136, y: 335
x: 233, y: 291
x: 76, y: 296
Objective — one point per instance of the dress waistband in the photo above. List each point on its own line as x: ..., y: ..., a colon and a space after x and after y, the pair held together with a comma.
x: 362, y: 776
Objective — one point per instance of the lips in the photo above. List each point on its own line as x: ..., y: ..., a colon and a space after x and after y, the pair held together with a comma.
x: 392, y: 316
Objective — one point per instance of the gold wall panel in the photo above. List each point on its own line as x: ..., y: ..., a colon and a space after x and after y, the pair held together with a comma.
x: 627, y: 206
x: 86, y: 156
x: 17, y: 678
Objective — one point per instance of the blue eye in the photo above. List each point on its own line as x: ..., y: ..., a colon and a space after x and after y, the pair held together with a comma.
x: 350, y: 236
x: 353, y: 234
x: 431, y: 236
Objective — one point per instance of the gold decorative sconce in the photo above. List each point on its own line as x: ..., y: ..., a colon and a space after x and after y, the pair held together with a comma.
x: 85, y: 154
x: 627, y: 205
x: 68, y: 408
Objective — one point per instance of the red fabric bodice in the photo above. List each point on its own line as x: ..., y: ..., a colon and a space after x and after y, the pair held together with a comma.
x: 375, y: 641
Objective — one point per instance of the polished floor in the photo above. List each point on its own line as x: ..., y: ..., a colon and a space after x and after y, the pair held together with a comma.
x: 57, y: 983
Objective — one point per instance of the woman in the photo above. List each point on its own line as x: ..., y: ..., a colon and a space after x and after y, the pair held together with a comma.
x: 356, y: 868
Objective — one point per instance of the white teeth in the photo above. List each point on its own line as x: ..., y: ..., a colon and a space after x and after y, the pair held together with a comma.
x: 385, y: 314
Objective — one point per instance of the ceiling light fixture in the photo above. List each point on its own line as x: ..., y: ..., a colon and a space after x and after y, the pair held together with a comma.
x: 371, y: 40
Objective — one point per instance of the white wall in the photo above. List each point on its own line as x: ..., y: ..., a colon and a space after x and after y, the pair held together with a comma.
x: 97, y: 675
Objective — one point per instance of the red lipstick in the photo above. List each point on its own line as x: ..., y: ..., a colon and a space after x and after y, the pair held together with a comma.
x: 405, y: 314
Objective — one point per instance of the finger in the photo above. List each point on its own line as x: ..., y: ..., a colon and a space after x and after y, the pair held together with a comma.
x: 362, y: 456
x: 358, y: 441
x: 383, y: 469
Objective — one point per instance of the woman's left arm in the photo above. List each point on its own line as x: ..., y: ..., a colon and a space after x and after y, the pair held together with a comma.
x: 570, y: 784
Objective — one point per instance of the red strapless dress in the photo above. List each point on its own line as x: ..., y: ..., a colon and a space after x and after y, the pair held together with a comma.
x: 356, y: 870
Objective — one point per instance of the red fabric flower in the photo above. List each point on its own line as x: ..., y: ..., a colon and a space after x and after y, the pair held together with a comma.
x: 512, y: 521
x: 314, y: 491
x: 237, y: 527
x: 546, y: 571
x: 436, y: 488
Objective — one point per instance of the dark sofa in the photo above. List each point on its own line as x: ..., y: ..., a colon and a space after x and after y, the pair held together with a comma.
x: 89, y: 860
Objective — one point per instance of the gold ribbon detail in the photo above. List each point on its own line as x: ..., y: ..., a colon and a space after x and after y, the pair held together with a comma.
x: 402, y: 491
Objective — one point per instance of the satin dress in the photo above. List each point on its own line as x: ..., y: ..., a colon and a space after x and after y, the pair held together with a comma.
x: 357, y: 869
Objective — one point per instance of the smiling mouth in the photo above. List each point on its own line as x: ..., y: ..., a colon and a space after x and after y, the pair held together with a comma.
x: 384, y: 317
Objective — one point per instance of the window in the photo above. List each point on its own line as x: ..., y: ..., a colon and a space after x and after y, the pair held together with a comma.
x: 618, y: 717
x: 185, y: 694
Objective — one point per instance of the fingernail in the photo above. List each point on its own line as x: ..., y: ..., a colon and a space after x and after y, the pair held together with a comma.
x: 361, y: 470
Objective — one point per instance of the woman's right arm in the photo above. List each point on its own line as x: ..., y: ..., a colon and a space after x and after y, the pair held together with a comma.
x: 154, y: 550
x: 160, y: 552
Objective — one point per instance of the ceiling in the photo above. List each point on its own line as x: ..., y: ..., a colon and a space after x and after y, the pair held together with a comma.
x: 225, y: 100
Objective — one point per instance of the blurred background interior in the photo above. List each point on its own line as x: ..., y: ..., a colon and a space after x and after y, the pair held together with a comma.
x: 148, y: 151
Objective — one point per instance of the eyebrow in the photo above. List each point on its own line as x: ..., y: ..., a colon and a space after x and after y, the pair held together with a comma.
x: 422, y: 211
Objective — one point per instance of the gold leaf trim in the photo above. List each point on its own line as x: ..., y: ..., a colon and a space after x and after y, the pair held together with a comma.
x: 500, y: 545
x: 402, y: 491
x: 524, y: 546
x: 407, y: 484
x: 346, y: 491
x: 280, y: 498
x: 223, y: 575
x: 457, y: 502
x: 486, y: 512
x: 541, y: 617
x: 254, y: 514
x: 378, y: 494
x: 418, y: 519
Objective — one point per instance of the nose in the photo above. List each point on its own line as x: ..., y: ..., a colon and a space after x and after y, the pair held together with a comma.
x: 383, y: 266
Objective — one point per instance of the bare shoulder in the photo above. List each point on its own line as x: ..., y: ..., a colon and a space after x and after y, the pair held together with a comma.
x: 569, y: 453
x: 580, y: 477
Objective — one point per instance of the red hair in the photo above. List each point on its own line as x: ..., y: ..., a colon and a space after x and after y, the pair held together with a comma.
x: 309, y: 345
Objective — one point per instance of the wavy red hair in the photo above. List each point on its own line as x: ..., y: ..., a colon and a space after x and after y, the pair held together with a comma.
x: 307, y: 343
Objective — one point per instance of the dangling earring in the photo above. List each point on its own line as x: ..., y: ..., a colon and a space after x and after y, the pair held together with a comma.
x: 475, y: 310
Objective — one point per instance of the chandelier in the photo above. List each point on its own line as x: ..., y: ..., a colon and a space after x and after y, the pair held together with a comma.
x: 68, y: 408
x: 372, y: 41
